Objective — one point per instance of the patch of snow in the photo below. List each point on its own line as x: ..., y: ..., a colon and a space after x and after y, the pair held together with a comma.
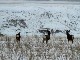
x: 63, y: 17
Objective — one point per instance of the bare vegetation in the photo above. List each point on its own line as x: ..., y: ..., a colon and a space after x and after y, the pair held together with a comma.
x: 32, y: 48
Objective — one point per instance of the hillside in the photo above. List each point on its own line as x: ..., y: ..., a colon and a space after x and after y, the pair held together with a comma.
x: 26, y: 18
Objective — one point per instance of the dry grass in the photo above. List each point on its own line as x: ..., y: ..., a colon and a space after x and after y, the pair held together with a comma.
x: 32, y: 48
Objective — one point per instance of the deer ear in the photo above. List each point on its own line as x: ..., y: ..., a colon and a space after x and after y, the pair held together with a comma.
x: 69, y: 30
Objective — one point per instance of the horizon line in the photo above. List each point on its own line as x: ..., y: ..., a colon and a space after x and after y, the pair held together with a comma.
x: 39, y: 2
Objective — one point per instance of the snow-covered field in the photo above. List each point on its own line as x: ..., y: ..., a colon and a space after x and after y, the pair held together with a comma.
x: 27, y: 19
x: 35, y: 16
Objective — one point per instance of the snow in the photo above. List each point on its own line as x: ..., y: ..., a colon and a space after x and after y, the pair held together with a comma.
x: 61, y: 17
x: 33, y: 19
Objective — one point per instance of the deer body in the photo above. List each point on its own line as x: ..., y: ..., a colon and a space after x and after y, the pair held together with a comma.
x: 69, y: 37
x: 18, y: 36
x: 46, y: 37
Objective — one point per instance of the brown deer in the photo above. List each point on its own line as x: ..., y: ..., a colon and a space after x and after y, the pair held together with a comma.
x: 18, y: 37
x: 46, y: 37
x: 69, y: 37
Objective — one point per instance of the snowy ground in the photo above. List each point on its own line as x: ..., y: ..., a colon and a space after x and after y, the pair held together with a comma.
x: 30, y: 18
x: 53, y: 16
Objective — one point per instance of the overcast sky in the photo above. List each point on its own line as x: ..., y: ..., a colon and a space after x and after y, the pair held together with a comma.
x: 53, y: 0
x: 66, y: 0
x: 40, y: 0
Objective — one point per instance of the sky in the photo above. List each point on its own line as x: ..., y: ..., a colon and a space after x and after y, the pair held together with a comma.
x: 40, y: 0
x: 66, y: 0
x: 53, y: 0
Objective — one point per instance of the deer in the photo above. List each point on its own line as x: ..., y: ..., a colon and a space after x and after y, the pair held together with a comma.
x: 18, y: 37
x: 69, y: 36
x: 46, y: 37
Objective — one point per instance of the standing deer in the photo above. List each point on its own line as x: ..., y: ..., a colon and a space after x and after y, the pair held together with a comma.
x: 46, y: 37
x: 69, y: 37
x: 18, y: 37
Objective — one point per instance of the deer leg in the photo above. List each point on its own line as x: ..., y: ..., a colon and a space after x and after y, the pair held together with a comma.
x: 46, y: 41
x: 72, y: 41
x: 43, y: 40
x: 68, y: 41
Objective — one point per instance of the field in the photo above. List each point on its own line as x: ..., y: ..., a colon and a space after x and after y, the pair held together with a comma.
x: 32, y: 48
x: 28, y: 18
